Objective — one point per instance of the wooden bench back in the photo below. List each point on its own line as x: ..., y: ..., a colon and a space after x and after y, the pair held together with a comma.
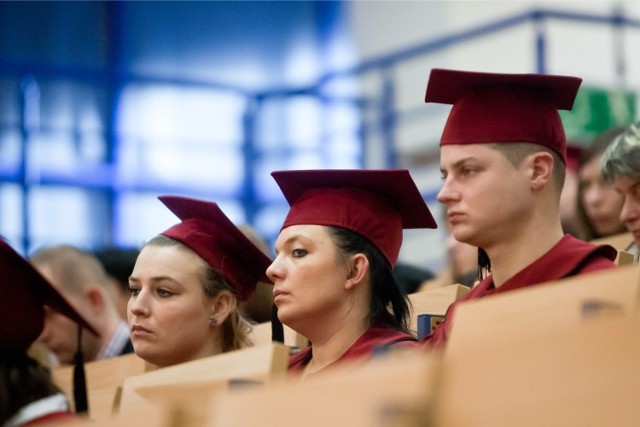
x: 383, y: 391
x: 571, y: 374
x: 189, y: 383
x: 261, y: 335
x: 535, y: 310
x: 434, y: 301
x: 104, y: 377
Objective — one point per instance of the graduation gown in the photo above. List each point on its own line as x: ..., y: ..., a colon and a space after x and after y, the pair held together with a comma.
x: 569, y: 257
x: 374, y: 338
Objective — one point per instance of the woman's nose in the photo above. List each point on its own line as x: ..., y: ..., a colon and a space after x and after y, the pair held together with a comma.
x: 274, y: 271
x: 138, y: 304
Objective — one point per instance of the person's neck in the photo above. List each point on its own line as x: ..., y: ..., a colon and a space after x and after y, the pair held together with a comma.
x: 213, y: 349
x: 510, y: 256
x: 329, y: 346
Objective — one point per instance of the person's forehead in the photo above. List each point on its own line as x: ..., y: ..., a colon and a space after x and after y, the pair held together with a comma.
x: 157, y: 259
x: 590, y: 168
x: 454, y: 153
x: 625, y: 183
x: 302, y: 231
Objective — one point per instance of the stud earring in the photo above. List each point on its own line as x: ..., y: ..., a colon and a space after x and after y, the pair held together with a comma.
x: 213, y: 321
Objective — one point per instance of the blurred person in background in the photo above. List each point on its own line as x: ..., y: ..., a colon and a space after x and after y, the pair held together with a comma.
x: 461, y: 262
x: 80, y: 277
x: 599, y: 204
x: 569, y: 195
x: 118, y: 264
x: 620, y: 165
x: 28, y: 395
x: 411, y: 277
x: 187, y: 284
x: 258, y: 308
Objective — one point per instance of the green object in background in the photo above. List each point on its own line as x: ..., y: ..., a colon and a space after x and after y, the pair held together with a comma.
x: 596, y: 110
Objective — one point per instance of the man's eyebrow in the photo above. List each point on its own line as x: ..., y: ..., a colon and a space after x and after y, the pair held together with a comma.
x: 459, y: 163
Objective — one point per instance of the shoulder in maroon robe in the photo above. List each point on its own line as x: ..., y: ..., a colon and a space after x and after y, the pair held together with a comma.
x: 374, y: 338
x: 569, y: 257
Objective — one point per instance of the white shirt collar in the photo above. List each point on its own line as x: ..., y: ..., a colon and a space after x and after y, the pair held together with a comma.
x: 39, y: 408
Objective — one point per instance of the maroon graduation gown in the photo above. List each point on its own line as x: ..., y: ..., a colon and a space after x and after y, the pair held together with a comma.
x: 373, y: 338
x: 569, y: 257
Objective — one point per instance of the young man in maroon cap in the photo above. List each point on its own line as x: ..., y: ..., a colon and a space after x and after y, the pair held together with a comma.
x: 332, y: 275
x: 502, y: 158
x: 29, y: 395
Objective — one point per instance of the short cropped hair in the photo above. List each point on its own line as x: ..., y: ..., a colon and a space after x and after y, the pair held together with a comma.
x: 72, y: 267
x: 516, y: 152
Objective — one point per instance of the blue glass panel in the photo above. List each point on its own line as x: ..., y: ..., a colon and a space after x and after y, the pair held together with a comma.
x: 11, y: 213
x: 142, y: 216
x: 68, y: 215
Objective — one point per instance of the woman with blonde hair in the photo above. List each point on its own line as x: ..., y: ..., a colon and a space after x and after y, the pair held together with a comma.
x: 187, y: 284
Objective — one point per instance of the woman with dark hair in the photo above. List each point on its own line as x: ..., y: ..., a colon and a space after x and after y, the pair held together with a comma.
x: 598, y: 202
x: 336, y: 251
x: 187, y: 284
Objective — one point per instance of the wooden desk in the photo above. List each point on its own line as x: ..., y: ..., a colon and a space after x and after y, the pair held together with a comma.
x: 535, y: 310
x: 380, y: 392
x: 188, y: 383
x: 104, y: 377
x: 573, y: 374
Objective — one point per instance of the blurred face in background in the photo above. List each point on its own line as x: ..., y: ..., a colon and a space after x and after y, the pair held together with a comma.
x: 629, y: 189
x: 568, y: 202
x: 600, y: 200
x: 463, y: 257
x: 60, y: 334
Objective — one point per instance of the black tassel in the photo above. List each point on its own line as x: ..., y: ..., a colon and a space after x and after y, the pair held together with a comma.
x: 79, y: 379
x: 484, y: 264
x: 277, y: 331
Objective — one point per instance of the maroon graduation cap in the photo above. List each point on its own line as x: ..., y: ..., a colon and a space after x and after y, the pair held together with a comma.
x: 207, y: 231
x: 23, y: 295
x: 503, y: 108
x: 376, y: 204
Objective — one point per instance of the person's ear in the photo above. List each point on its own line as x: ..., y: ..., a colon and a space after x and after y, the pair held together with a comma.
x: 359, y: 267
x: 96, y: 297
x: 221, y: 306
x: 541, y: 166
